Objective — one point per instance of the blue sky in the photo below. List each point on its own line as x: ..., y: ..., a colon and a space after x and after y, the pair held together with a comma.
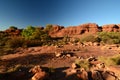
x: 21, y: 13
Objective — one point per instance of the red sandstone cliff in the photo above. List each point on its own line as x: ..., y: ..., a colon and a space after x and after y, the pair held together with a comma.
x: 111, y: 28
x: 75, y: 30
x: 60, y: 31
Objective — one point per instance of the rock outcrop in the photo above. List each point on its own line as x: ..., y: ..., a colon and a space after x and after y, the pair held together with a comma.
x: 74, y: 30
x: 97, y: 70
x: 60, y: 31
x: 38, y: 73
x: 111, y: 28
x: 13, y: 32
x: 55, y: 29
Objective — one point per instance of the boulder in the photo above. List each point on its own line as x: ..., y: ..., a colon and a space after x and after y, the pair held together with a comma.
x: 83, y: 74
x: 39, y: 74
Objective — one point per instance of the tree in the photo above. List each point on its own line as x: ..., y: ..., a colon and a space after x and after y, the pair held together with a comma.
x: 40, y: 34
x: 32, y: 33
x: 28, y: 32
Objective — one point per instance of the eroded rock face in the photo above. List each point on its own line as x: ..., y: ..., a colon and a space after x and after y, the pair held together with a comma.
x: 60, y: 31
x: 55, y: 29
x: 110, y: 28
x: 74, y: 30
x: 89, y: 27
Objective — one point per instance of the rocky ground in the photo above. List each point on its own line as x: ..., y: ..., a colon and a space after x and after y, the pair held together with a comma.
x: 58, y: 57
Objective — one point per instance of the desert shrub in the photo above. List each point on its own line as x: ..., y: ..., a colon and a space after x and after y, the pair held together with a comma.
x: 14, y: 68
x: 3, y: 41
x: 59, y: 42
x: 66, y: 39
x: 106, y: 60
x: 3, y: 38
x: 83, y: 63
x: 90, y: 38
x: 15, y: 42
x: 34, y: 34
x: 109, y: 37
x: 113, y: 60
x: 76, y: 40
x: 32, y: 43
x: 5, y: 51
x: 48, y: 28
x: 28, y: 32
x: 40, y: 34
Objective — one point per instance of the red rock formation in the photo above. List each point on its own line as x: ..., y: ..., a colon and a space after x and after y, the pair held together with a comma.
x: 55, y: 29
x: 119, y: 27
x: 90, y: 27
x: 13, y: 32
x: 110, y: 28
x: 75, y: 30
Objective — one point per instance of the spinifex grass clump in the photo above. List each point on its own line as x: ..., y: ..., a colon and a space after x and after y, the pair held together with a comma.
x: 83, y: 63
x: 109, y: 37
x: 113, y: 60
x: 90, y: 38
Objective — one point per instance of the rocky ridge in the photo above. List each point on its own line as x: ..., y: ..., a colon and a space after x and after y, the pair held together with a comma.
x: 60, y: 31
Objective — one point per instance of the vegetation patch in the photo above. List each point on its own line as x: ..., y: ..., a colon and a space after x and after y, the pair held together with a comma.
x: 112, y: 60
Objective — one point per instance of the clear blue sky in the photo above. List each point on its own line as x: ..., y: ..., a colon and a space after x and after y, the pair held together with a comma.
x: 21, y: 13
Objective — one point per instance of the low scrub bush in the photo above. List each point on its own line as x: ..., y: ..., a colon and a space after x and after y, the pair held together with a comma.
x: 15, y: 42
x: 90, y: 38
x: 113, y: 60
x: 83, y: 63
x: 32, y: 43
x: 14, y: 68
x: 109, y: 37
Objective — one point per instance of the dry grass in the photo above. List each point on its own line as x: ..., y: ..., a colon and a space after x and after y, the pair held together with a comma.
x: 83, y: 63
x: 111, y: 60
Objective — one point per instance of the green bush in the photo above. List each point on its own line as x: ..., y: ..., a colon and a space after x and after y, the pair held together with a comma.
x: 109, y: 37
x: 28, y: 32
x: 16, y: 42
x: 116, y: 59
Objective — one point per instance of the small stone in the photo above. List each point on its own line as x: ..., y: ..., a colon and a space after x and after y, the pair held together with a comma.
x: 68, y: 55
x: 58, y: 55
x: 73, y: 66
